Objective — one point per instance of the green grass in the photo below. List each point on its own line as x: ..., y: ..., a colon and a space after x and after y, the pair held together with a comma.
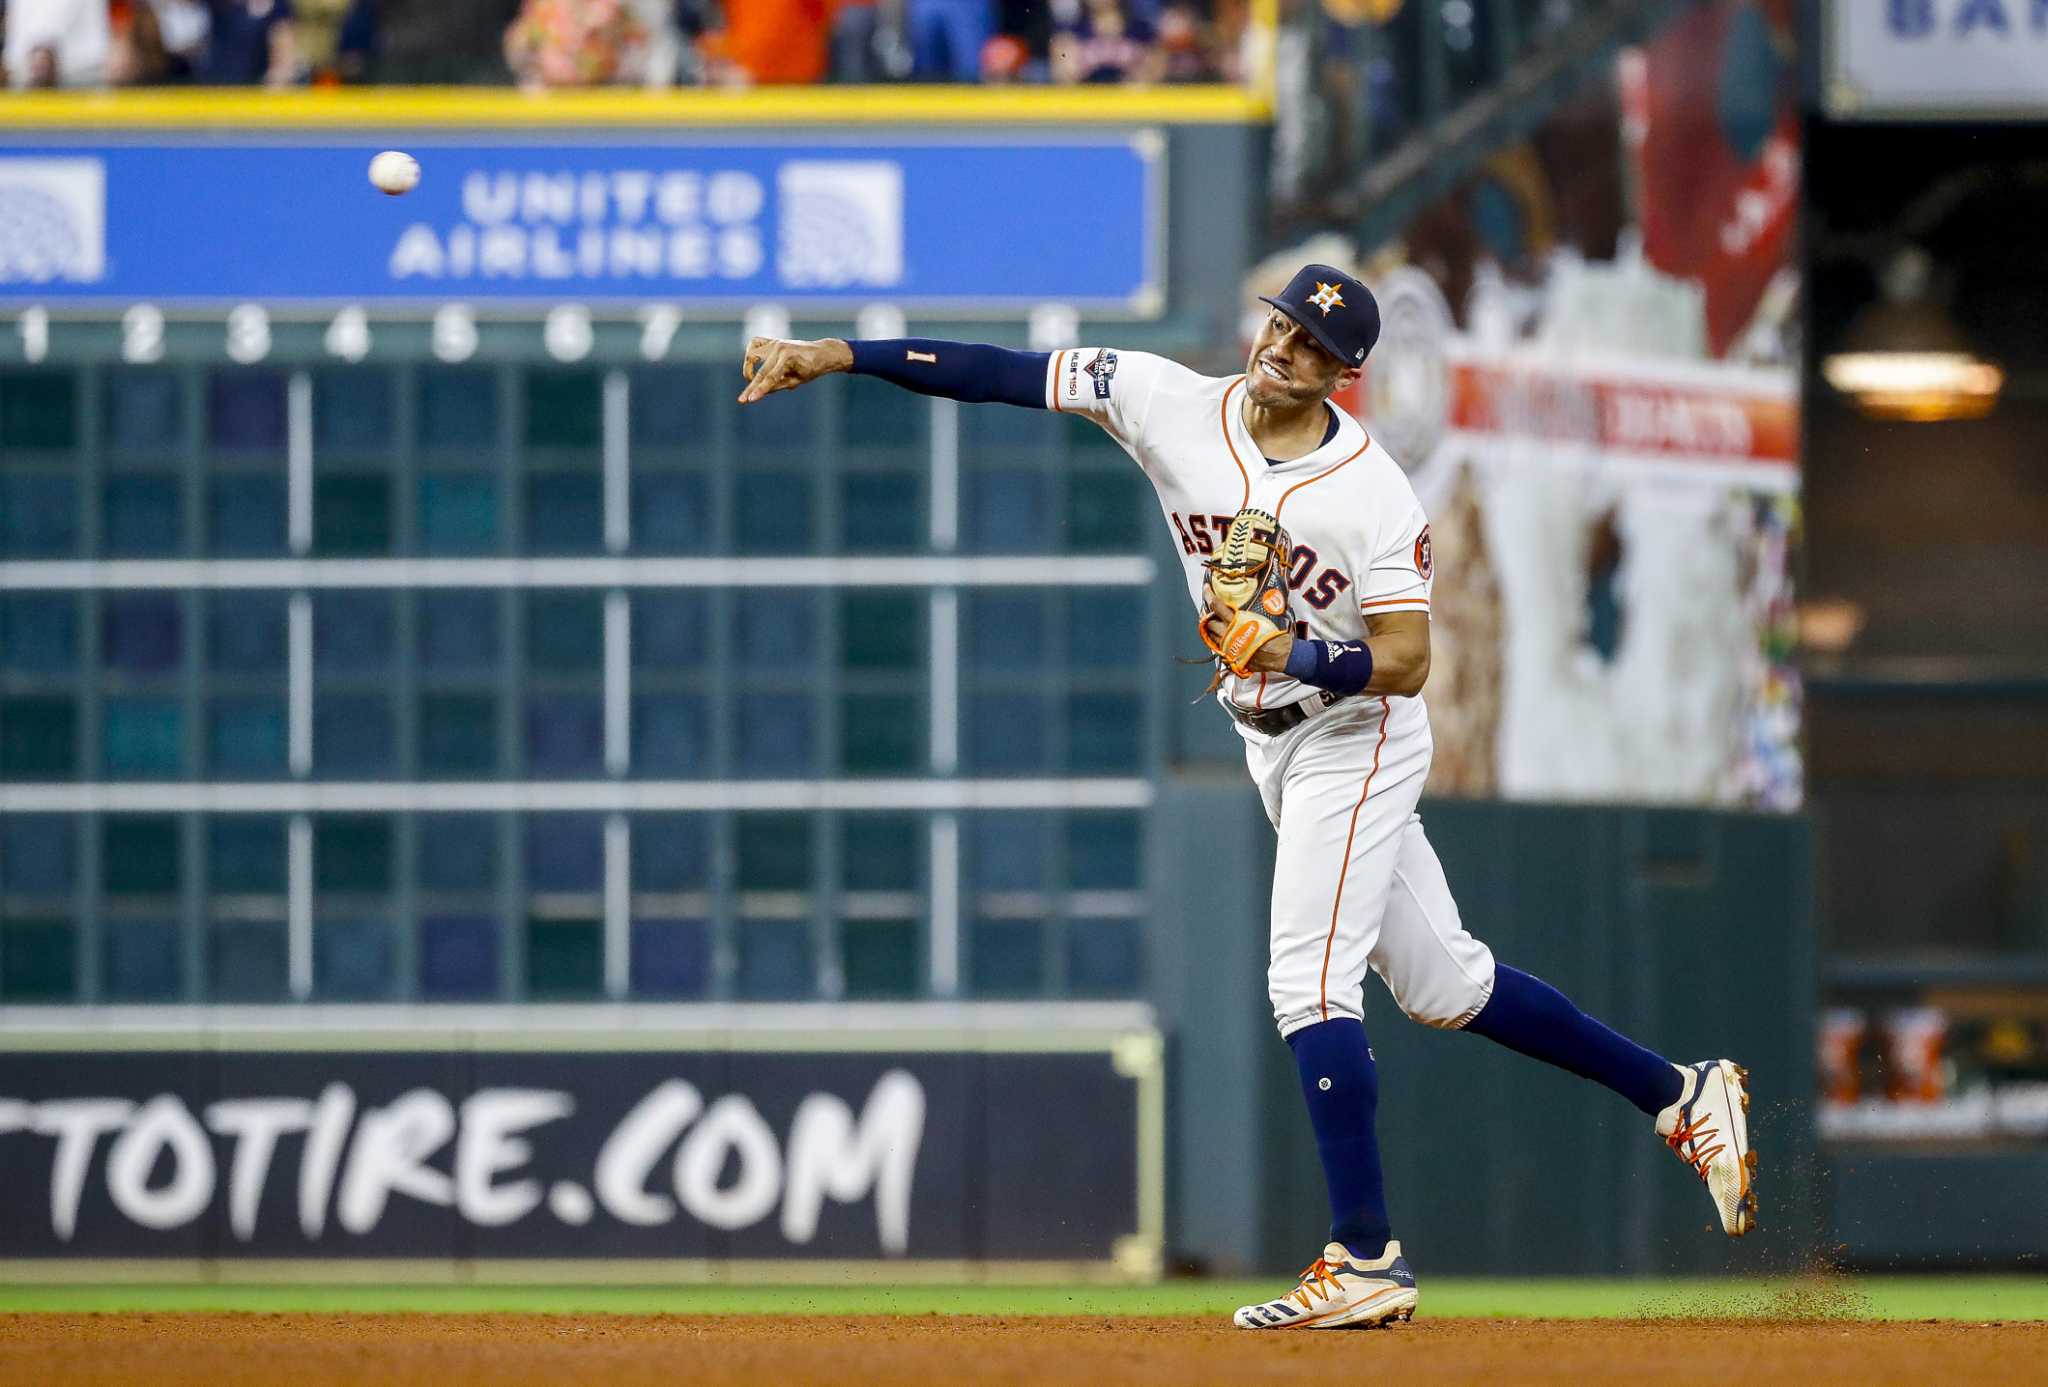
x: 1869, y: 1297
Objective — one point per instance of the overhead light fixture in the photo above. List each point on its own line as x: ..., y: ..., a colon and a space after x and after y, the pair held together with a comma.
x: 1905, y: 359
x: 1922, y: 387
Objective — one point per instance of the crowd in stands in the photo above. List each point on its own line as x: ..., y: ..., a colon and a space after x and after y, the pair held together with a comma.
x: 580, y: 43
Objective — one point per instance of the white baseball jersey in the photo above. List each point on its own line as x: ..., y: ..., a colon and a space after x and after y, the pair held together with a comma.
x: 1340, y: 788
x: 1360, y: 542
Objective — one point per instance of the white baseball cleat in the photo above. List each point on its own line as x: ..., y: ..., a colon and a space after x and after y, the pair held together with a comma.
x: 1337, y: 1292
x: 1708, y: 1129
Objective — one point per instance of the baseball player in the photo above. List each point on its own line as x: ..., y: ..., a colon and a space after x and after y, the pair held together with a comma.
x: 1308, y: 561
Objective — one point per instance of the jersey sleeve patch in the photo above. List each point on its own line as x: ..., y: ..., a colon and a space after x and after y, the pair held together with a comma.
x: 1113, y: 388
x: 1101, y: 371
x: 1403, y: 570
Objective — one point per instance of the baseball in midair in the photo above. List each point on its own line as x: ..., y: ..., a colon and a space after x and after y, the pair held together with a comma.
x: 395, y: 172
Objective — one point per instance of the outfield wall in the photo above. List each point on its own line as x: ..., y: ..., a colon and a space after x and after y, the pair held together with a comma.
x: 493, y: 1145
x: 1688, y: 930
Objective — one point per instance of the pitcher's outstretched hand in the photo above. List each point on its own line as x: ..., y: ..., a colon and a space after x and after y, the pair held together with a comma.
x: 773, y: 363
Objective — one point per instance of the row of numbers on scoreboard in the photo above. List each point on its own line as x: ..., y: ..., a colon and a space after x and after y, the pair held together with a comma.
x: 251, y: 333
x: 248, y: 334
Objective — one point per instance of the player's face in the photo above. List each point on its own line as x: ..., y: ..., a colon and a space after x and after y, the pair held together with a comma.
x: 1287, y: 366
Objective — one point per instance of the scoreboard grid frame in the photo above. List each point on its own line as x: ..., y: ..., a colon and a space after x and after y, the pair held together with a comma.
x: 941, y: 572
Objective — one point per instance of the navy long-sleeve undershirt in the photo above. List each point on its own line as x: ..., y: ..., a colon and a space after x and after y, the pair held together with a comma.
x: 969, y: 372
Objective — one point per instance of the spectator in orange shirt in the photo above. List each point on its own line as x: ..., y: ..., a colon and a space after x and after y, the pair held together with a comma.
x: 770, y: 42
x: 573, y: 43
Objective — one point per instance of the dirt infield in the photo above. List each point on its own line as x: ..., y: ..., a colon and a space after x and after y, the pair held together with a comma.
x: 165, y: 1350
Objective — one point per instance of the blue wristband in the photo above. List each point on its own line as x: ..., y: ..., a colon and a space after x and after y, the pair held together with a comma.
x: 1343, y: 667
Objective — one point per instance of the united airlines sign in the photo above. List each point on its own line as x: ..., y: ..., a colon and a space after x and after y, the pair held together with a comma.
x: 1936, y: 59
x: 945, y: 225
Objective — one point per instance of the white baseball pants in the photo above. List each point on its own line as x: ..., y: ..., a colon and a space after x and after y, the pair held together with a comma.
x: 1356, y: 884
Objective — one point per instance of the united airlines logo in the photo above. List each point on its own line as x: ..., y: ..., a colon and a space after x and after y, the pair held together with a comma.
x: 53, y: 221
x: 841, y: 224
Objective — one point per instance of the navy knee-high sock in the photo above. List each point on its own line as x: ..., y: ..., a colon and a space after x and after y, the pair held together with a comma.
x: 1343, y: 1091
x: 1527, y: 1014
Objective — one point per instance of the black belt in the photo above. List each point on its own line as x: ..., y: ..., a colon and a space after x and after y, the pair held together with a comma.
x: 1271, y: 722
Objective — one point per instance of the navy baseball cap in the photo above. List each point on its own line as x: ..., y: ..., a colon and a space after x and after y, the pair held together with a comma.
x: 1335, y: 309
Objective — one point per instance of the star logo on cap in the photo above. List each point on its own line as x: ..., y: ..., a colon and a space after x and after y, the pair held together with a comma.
x: 1326, y: 297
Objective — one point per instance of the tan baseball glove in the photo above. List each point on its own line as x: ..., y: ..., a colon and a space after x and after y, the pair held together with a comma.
x: 1247, y: 592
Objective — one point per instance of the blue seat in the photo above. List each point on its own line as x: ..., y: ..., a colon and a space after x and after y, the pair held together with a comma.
x: 353, y: 960
x: 143, y: 516
x: 246, y: 632
x: 671, y: 958
x: 458, y: 852
x: 353, y: 631
x: 459, y: 512
x: 564, y: 959
x: 671, y: 852
x: 1007, y: 958
x: 882, y: 959
x: 564, y: 852
x: 245, y: 853
x: 39, y: 632
x: 1105, y: 958
x: 1009, y: 851
x: 458, y: 407
x: 38, y: 960
x: 245, y: 410
x: 565, y: 512
x: 1104, y: 852
x: 775, y: 959
x: 458, y: 630
x: 142, y: 632
x: 773, y: 513
x: 672, y: 512
x: 141, y: 960
x: 247, y: 962
x: 37, y: 854
x: 139, y: 855
x: 246, y: 515
x: 1006, y: 733
x: 565, y: 734
x: 671, y: 734
x: 355, y: 409
x: 142, y: 410
x: 38, y: 515
x: 777, y: 734
x: 881, y: 512
x: 353, y: 854
x: 39, y: 738
x: 354, y: 734
x: 458, y: 957
x: 141, y: 738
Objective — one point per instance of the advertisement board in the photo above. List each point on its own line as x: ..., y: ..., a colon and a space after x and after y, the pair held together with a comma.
x: 1936, y: 59
x: 628, y: 1153
x: 1588, y: 370
x: 930, y: 225
x: 1599, y: 522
